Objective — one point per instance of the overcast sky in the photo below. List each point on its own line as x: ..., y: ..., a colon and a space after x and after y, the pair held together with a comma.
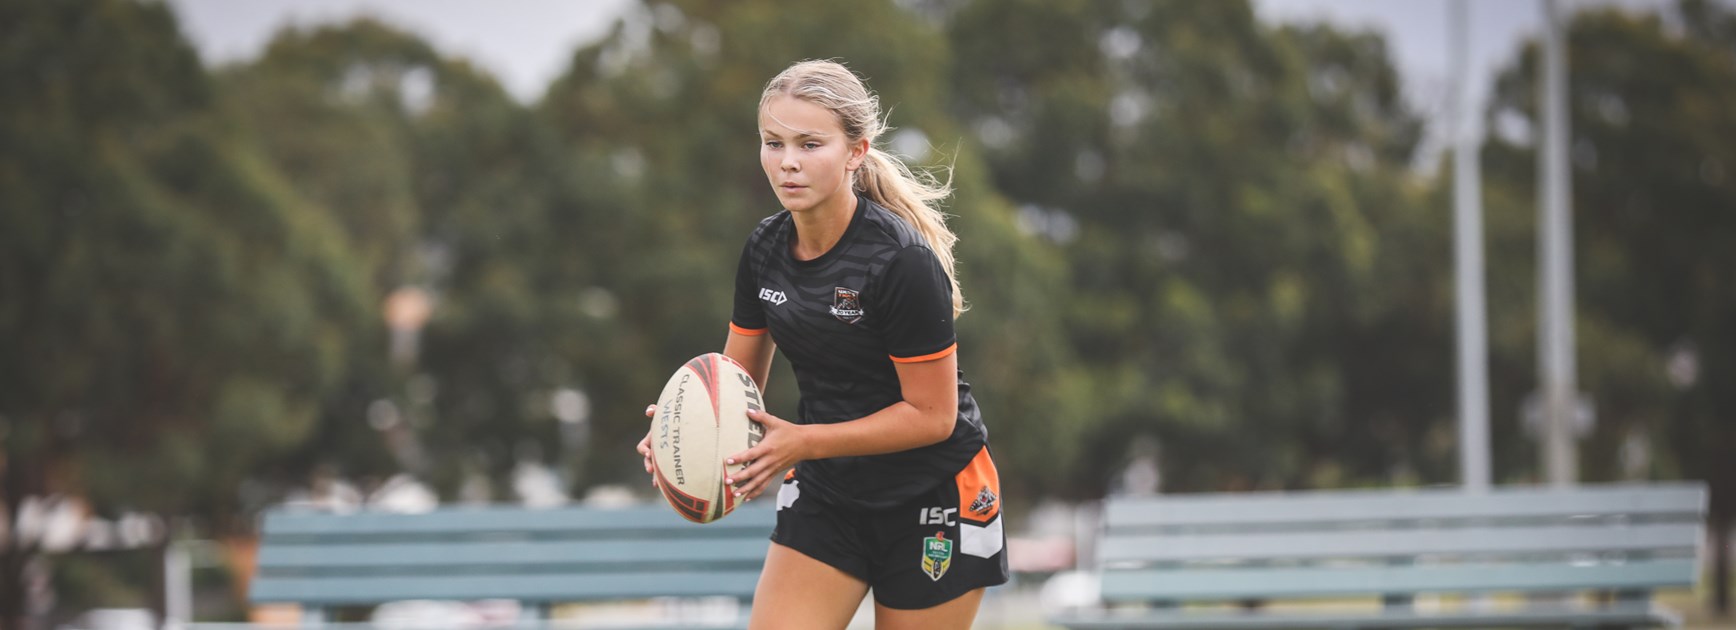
x: 524, y: 43
x: 527, y: 43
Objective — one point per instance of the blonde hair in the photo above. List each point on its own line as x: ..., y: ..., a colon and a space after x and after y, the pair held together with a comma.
x: 883, y: 177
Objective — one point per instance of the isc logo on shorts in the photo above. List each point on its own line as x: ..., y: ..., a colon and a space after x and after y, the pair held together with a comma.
x: 936, y: 516
x: 775, y: 297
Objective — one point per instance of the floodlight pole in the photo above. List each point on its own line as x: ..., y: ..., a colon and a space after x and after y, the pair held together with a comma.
x: 1555, y: 330
x: 1472, y: 317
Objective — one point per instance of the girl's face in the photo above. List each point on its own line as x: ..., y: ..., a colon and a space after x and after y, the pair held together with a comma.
x: 806, y: 155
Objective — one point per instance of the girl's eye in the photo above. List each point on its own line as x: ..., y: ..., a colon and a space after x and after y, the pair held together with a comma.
x: 811, y: 146
x: 774, y: 144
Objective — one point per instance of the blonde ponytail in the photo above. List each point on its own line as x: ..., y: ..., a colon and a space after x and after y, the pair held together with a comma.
x: 883, y: 178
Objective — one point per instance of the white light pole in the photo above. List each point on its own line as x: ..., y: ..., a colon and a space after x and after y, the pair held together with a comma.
x: 1472, y: 317
x: 1559, y: 387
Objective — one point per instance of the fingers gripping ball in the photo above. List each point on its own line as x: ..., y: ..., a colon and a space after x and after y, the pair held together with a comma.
x: 702, y: 419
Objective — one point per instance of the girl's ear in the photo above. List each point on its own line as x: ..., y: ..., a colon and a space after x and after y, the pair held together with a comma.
x: 858, y: 153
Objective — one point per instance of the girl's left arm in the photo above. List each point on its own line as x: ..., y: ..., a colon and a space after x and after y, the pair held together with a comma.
x: 925, y: 416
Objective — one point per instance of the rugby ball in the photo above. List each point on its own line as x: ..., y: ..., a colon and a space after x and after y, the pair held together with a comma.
x: 702, y: 420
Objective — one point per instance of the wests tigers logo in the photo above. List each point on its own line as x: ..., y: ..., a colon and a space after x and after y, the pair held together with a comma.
x: 985, y: 501
x: 847, y: 305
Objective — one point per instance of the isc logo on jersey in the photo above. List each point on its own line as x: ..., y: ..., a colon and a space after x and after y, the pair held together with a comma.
x: 775, y: 297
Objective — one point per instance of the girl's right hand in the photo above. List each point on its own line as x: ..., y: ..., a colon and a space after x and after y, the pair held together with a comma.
x: 645, y: 447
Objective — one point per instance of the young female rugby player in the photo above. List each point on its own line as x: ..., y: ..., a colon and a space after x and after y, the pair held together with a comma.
x: 893, y: 490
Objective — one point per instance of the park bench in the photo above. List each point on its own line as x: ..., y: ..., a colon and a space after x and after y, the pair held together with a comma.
x: 326, y: 562
x: 1582, y: 556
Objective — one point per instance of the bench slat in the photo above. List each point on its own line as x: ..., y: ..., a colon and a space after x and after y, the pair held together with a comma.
x: 1197, y: 583
x: 1383, y: 546
x: 644, y: 521
x: 566, y: 554
x: 1143, y: 548
x: 1276, y: 508
x: 524, y: 554
x: 551, y: 587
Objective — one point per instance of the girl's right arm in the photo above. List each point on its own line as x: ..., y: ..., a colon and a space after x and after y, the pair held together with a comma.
x: 754, y: 353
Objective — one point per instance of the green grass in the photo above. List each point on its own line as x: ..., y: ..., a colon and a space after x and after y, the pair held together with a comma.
x: 1695, y: 607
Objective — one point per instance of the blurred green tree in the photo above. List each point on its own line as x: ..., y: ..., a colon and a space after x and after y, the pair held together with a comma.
x: 1257, y: 279
x: 325, y: 108
x: 171, y: 312
x: 456, y: 190
x: 1654, y: 203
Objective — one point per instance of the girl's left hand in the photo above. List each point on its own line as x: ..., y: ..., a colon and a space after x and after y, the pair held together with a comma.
x: 783, y: 446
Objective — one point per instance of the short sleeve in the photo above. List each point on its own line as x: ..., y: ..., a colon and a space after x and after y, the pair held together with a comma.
x: 913, y: 303
x: 748, y: 316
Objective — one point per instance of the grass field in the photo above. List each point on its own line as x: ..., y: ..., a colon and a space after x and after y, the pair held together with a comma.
x: 1695, y: 609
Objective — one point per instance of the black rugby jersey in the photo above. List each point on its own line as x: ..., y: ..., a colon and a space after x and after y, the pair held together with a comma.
x: 878, y: 296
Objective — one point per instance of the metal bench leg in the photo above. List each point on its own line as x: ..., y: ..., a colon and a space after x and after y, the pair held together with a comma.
x: 1393, y: 602
x: 1629, y: 598
x: 533, y: 614
x: 1632, y: 597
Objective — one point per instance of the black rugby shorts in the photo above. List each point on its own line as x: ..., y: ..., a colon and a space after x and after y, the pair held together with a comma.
x: 923, y: 553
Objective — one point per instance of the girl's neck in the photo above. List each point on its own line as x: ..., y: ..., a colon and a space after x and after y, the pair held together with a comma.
x: 820, y: 228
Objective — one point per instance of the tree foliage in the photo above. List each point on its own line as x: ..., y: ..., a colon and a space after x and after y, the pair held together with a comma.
x: 1654, y: 209
x: 171, y: 313
x: 1247, y: 253
x: 165, y: 288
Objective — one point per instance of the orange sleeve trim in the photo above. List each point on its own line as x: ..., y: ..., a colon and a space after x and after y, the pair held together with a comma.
x: 751, y: 332
x: 928, y: 357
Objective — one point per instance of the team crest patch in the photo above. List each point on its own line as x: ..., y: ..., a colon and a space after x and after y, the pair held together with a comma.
x: 847, y: 305
x: 985, y: 501
x: 936, y: 555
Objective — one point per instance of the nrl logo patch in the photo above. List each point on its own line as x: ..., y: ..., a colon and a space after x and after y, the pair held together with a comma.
x: 985, y: 501
x: 847, y: 305
x: 936, y: 555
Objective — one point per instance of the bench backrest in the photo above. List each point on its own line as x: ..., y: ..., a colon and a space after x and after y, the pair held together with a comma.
x: 1623, y: 537
x: 568, y: 554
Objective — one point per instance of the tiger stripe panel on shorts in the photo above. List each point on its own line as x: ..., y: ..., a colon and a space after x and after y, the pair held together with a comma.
x: 979, y: 493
